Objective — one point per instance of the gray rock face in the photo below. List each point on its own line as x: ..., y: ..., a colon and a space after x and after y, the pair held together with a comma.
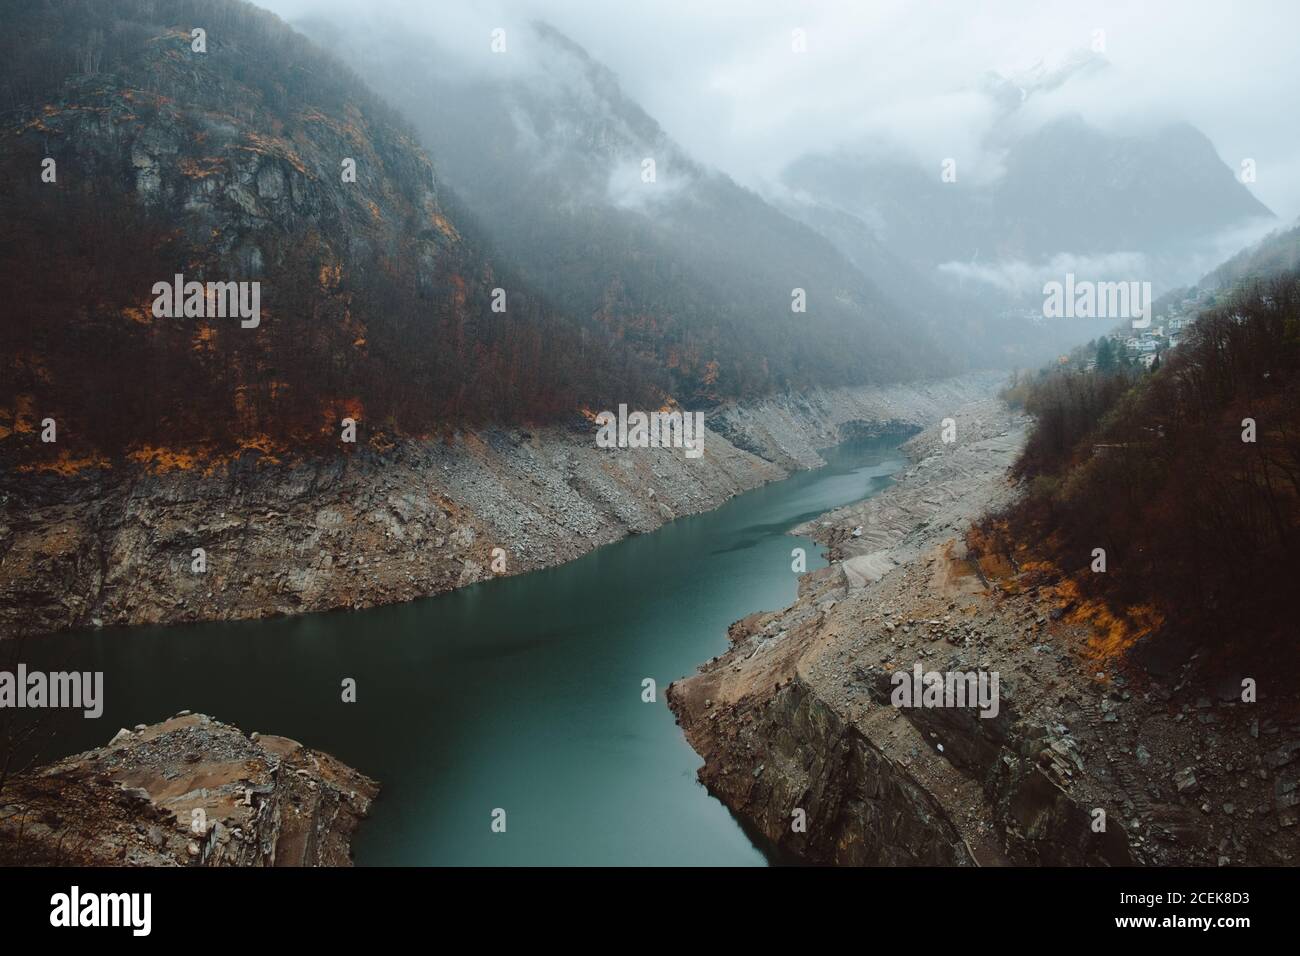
x: 1086, y: 761
x: 805, y: 693
x: 189, y: 791
x: 377, y: 527
x: 860, y: 807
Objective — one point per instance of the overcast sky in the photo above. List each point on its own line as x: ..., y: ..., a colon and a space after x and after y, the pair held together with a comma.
x: 907, y: 75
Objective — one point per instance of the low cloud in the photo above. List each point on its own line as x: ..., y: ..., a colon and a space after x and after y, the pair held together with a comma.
x: 724, y: 81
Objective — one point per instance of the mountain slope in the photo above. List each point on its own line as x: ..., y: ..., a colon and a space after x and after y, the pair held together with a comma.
x: 1068, y: 187
x: 1154, y: 201
x: 228, y: 165
x: 1188, y: 478
x: 691, y: 270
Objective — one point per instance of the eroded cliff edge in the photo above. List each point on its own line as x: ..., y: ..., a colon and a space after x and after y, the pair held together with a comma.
x: 189, y: 791
x: 380, y: 525
x: 797, y: 714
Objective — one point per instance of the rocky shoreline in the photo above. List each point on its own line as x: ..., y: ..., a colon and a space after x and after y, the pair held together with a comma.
x: 107, y: 547
x: 797, y: 715
x: 189, y: 791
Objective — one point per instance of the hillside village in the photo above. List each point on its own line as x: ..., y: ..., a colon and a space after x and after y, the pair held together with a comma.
x: 1146, y: 346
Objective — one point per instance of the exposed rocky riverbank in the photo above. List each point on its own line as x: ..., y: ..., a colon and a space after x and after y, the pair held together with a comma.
x: 189, y: 791
x: 797, y: 715
x: 112, y: 547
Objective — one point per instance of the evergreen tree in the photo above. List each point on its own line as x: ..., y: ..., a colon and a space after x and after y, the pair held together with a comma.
x: 1105, y: 356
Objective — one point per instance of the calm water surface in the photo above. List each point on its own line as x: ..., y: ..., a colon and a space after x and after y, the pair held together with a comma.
x: 522, y: 693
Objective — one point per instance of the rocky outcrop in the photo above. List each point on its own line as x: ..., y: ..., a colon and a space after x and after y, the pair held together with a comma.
x: 189, y: 791
x: 377, y: 526
x: 797, y: 716
x: 1089, y: 759
x: 812, y: 784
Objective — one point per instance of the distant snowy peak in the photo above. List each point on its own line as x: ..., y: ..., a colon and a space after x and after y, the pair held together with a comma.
x: 1012, y: 88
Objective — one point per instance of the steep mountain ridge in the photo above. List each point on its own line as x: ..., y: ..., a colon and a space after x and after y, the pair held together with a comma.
x: 207, y: 139
x: 232, y: 163
x: 693, y: 271
x: 1155, y: 198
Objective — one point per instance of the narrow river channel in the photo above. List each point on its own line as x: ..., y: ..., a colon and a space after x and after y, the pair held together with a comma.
x: 523, y: 694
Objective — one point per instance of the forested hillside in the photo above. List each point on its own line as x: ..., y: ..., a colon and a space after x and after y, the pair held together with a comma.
x: 130, y: 156
x: 693, y: 272
x: 1188, y: 478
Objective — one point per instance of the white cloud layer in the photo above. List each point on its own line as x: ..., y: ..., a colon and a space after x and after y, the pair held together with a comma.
x: 906, y: 75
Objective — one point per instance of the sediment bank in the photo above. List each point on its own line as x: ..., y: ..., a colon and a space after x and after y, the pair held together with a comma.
x: 108, y: 547
x: 1089, y: 761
